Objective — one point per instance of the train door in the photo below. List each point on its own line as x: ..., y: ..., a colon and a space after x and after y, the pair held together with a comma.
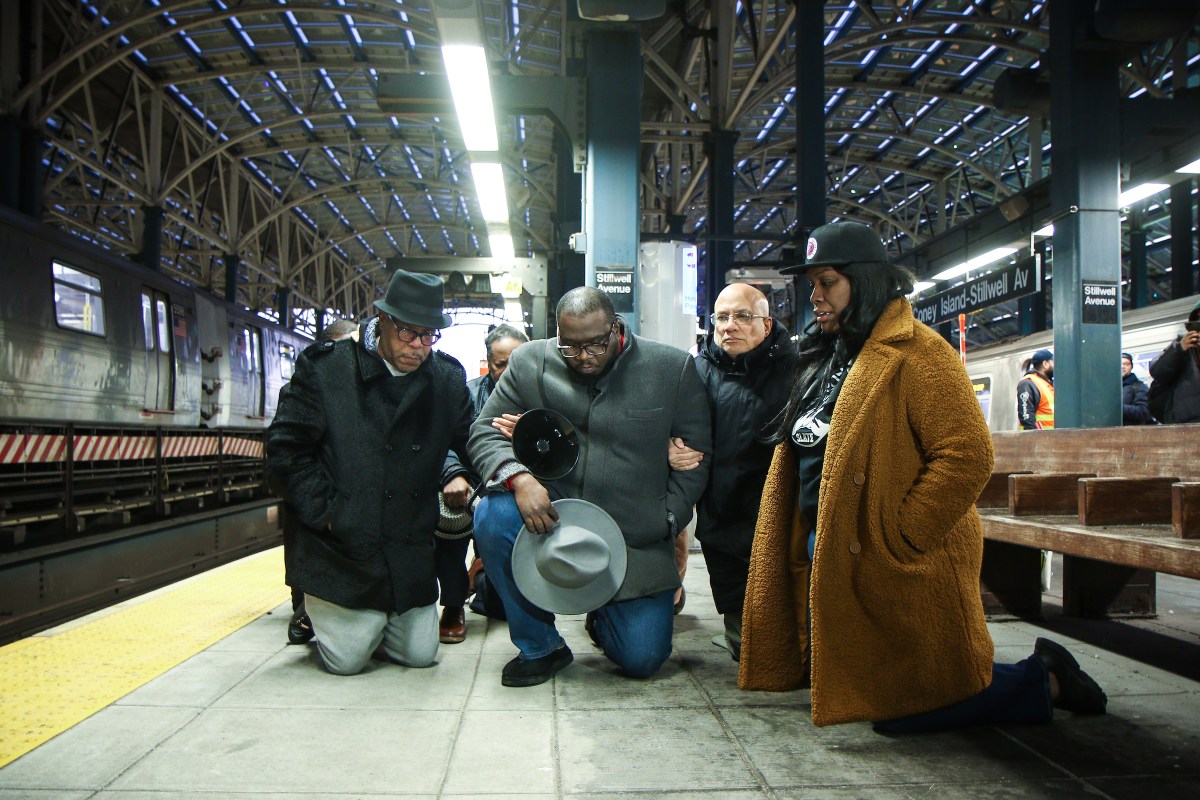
x: 249, y: 350
x: 160, y: 355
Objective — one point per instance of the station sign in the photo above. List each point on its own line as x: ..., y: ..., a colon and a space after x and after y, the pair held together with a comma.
x: 999, y: 286
x: 1101, y: 301
x: 618, y: 285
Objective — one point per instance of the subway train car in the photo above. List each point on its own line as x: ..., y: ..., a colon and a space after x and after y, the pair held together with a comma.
x: 90, y: 337
x: 996, y: 369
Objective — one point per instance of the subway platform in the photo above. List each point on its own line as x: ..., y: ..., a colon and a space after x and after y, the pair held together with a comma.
x: 116, y: 707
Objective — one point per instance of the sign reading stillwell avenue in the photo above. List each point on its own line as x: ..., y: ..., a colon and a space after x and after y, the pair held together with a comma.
x: 1101, y: 300
x: 618, y: 285
x: 998, y: 286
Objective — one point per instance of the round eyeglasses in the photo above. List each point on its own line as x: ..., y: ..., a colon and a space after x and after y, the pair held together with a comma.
x: 408, y: 335
x: 741, y: 318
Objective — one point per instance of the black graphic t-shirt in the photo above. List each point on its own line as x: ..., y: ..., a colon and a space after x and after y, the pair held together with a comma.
x: 809, y: 436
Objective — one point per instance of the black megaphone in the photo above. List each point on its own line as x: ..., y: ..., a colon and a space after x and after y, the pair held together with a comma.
x: 546, y: 443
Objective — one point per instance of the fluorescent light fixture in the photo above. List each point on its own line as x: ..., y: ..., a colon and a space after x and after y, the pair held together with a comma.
x: 1048, y: 230
x: 489, y: 188
x: 470, y: 85
x: 1192, y: 168
x: 974, y: 263
x: 1131, y: 196
x: 922, y: 286
x: 501, y: 244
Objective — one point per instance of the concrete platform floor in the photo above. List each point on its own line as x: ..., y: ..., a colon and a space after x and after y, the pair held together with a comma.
x: 251, y: 717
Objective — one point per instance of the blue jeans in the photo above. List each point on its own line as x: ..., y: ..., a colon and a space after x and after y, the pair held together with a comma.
x: 1018, y: 693
x: 634, y: 634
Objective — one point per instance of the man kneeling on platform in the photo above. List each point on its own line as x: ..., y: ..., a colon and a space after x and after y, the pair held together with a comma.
x: 355, y: 450
x: 625, y: 396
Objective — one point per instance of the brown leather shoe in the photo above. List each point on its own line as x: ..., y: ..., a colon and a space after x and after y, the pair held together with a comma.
x: 452, y: 628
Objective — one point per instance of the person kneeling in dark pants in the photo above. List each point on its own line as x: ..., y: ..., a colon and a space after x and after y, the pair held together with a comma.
x: 626, y: 397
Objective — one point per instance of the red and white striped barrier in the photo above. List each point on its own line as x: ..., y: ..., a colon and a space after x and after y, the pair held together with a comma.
x: 21, y: 448
x: 46, y: 448
x: 251, y: 448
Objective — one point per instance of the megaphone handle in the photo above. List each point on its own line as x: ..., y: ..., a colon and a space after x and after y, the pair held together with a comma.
x: 482, y: 485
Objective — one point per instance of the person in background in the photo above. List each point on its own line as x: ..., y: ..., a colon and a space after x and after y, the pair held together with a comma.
x: 354, y: 450
x: 300, y: 627
x: 1035, y: 393
x: 1176, y: 375
x: 867, y: 554
x: 626, y: 397
x: 454, y: 579
x: 746, y: 363
x: 1135, y: 401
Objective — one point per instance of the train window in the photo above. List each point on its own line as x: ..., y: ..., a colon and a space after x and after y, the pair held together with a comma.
x: 78, y: 301
x: 287, y: 360
x: 148, y: 321
x: 164, y: 326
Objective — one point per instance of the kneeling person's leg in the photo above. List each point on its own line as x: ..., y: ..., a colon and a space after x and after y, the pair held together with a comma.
x: 636, y: 634
x: 411, y: 638
x: 497, y: 523
x: 346, y: 637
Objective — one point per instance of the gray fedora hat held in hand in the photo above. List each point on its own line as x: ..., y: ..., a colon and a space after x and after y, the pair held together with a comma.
x: 575, y: 568
x: 415, y: 298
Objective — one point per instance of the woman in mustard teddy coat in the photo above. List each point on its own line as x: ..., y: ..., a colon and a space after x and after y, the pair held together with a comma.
x: 883, y: 445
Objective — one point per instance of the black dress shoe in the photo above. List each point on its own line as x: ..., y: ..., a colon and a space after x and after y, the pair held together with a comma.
x: 532, y: 671
x: 1077, y: 691
x: 300, y: 629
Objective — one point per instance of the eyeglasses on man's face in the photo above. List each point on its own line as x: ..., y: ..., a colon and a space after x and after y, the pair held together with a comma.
x: 591, y: 348
x: 741, y: 318
x: 408, y: 335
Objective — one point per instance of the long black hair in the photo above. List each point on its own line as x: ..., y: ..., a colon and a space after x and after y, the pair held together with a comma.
x: 873, y: 284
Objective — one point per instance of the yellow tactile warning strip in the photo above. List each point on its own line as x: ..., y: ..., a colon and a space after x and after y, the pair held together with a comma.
x: 49, y: 683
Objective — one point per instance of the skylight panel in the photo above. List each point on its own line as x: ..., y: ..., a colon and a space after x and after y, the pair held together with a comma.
x: 837, y: 27
x: 295, y: 25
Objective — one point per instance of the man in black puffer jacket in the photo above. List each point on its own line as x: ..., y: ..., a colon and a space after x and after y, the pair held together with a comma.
x: 746, y: 364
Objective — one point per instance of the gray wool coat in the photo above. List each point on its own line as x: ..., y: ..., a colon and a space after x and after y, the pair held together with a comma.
x: 624, y: 420
x: 357, y: 456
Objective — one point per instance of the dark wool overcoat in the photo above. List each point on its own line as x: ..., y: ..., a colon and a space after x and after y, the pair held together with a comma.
x: 357, y: 454
x: 744, y: 394
x: 624, y: 419
x: 897, y: 620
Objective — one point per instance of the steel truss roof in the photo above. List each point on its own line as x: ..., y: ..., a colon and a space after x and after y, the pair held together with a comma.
x: 255, y: 125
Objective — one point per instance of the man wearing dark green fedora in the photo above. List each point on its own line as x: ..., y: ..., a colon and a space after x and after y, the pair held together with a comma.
x: 357, y: 451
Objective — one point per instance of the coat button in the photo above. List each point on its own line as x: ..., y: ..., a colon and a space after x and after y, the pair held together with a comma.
x: 415, y: 494
x: 388, y: 448
x: 860, y: 479
x: 416, y: 447
x: 855, y: 548
x: 388, y: 495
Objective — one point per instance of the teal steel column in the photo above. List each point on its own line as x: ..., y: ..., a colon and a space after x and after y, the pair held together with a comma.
x: 152, y: 237
x: 232, y: 263
x: 611, y: 214
x: 283, y: 299
x: 1139, y: 282
x: 1182, y: 243
x: 1087, y: 244
x: 810, y: 139
x: 568, y: 216
x: 719, y: 251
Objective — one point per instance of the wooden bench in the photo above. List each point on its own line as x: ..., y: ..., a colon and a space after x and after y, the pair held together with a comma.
x: 1119, y: 504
